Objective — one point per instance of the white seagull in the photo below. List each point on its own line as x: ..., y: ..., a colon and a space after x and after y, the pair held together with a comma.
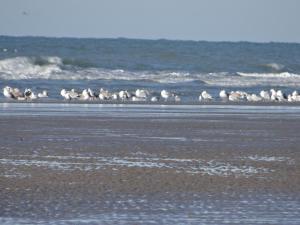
x: 69, y: 95
x: 223, y: 94
x: 124, y: 95
x: 154, y: 99
x: 265, y: 95
x: 85, y: 95
x: 165, y: 95
x: 7, y: 92
x: 205, y: 96
x: 43, y: 94
x: 140, y: 93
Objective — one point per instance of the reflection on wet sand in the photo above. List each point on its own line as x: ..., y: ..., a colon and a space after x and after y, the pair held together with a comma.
x: 212, y: 165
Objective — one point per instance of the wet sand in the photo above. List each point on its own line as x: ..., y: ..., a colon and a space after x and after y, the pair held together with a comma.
x: 138, y: 164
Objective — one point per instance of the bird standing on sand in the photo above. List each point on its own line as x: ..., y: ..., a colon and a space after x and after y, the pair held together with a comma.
x: 140, y: 93
x: 205, y: 96
x: 103, y: 94
x: 223, y: 94
x: 13, y: 93
x: 124, y: 95
x: 165, y: 95
x: 7, y: 92
x: 177, y: 98
x: 43, y: 94
x: 85, y: 95
x: 69, y: 95
x: 154, y: 99
x: 265, y: 95
x: 235, y: 96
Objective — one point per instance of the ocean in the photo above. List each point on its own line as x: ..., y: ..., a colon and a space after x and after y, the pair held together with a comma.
x: 183, y: 67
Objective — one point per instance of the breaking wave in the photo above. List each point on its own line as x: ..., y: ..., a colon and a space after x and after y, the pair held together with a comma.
x: 56, y: 68
x: 274, y: 66
x: 28, y: 67
x: 270, y: 75
x: 239, y: 79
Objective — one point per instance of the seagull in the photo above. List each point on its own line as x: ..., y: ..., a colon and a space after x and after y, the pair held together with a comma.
x: 235, y: 96
x: 206, y: 96
x: 165, y: 95
x: 295, y: 97
x: 69, y: 95
x: 29, y: 94
x: 140, y: 93
x: 273, y: 95
x: 91, y: 93
x: 154, y: 99
x: 177, y: 98
x: 7, y: 92
x: 74, y: 94
x: 295, y: 93
x: 124, y: 95
x: 265, y: 95
x: 280, y: 96
x: 253, y: 98
x: 114, y: 96
x: 65, y: 94
x: 223, y: 94
x: 44, y: 94
x: 103, y: 94
x: 33, y: 96
x: 85, y: 95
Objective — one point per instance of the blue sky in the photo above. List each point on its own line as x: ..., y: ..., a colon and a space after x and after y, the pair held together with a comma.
x: 212, y: 20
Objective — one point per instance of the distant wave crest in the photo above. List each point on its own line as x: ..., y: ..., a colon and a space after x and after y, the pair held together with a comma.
x: 270, y: 75
x: 56, y: 68
x: 239, y: 79
x: 274, y: 66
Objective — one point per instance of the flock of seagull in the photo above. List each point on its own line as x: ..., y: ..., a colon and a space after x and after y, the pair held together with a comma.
x: 141, y: 95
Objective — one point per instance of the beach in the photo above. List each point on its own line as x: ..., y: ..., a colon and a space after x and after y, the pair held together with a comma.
x: 116, y: 163
x: 149, y: 112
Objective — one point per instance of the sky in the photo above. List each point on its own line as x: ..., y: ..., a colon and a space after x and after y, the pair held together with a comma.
x: 210, y: 20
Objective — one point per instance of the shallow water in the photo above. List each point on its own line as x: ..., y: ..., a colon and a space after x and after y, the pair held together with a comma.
x: 146, y: 110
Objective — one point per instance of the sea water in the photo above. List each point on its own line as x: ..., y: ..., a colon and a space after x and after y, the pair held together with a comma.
x: 183, y: 67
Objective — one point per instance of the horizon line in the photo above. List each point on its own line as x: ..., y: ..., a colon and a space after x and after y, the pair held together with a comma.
x: 149, y: 39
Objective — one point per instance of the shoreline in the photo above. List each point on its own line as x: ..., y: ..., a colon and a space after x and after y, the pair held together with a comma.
x: 162, y: 103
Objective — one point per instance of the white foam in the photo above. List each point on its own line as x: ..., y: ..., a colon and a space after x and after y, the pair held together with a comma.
x: 252, y: 79
x: 26, y: 68
x: 86, y: 163
x: 53, y: 68
x: 269, y: 158
x: 270, y: 75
